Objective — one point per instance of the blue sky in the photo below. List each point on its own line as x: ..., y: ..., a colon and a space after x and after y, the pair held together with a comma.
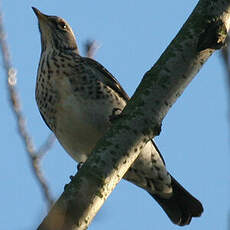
x: 195, y: 133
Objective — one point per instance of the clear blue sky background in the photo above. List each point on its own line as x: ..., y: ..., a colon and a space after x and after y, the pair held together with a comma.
x: 195, y: 135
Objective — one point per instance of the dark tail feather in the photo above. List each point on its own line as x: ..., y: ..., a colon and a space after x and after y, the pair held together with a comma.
x: 181, y: 206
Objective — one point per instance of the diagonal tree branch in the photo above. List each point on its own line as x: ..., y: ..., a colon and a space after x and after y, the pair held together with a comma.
x: 203, y: 33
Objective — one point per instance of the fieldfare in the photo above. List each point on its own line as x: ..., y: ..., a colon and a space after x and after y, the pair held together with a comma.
x: 76, y: 96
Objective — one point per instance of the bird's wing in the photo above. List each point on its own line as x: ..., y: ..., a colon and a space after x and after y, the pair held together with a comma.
x: 115, y: 85
x: 158, y: 151
x: 110, y: 80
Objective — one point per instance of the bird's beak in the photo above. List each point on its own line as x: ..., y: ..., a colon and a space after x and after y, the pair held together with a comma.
x: 40, y: 15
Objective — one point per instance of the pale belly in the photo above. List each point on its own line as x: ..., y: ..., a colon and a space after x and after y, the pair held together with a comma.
x: 79, y: 127
x: 81, y: 124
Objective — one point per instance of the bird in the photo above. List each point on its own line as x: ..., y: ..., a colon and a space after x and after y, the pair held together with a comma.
x: 76, y: 96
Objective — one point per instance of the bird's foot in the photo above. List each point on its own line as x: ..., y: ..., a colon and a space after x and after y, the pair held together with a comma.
x: 116, y: 113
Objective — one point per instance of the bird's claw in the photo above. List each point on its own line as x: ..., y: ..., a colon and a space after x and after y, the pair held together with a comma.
x: 115, y: 115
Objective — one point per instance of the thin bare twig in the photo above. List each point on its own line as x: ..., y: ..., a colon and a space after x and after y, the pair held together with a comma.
x: 226, y: 58
x: 47, y: 145
x: 34, y: 156
x: 91, y: 46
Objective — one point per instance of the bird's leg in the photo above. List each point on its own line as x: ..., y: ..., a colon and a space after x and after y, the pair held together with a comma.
x: 66, y: 185
x: 79, y: 165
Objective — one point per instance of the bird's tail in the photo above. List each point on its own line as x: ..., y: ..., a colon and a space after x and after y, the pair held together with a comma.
x: 181, y: 206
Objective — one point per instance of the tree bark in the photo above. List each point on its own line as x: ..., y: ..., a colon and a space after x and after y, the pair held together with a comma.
x: 203, y: 33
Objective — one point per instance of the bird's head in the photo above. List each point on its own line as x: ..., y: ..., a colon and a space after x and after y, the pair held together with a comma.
x: 55, y: 32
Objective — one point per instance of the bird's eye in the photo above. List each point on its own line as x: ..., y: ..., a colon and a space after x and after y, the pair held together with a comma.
x: 62, y: 25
